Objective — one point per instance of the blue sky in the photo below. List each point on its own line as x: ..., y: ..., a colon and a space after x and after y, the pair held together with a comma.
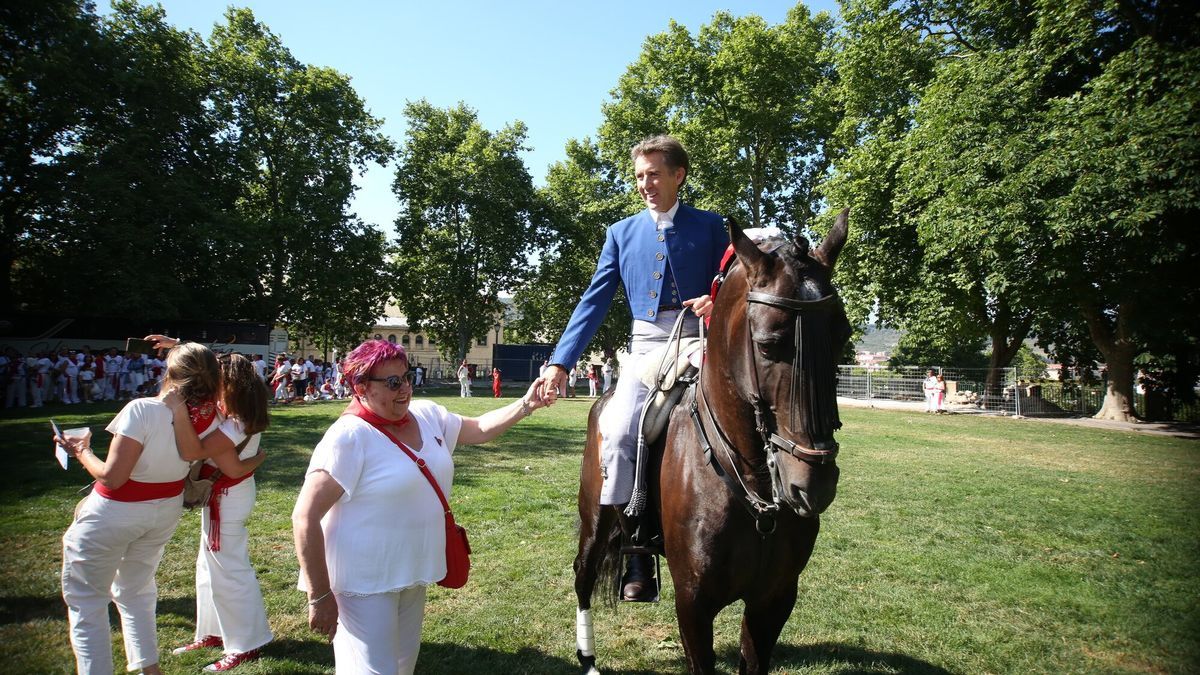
x: 550, y: 64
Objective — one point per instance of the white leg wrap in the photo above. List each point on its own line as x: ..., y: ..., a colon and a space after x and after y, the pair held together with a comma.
x: 585, y: 641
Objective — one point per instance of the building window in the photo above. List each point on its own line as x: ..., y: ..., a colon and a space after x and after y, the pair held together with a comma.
x: 420, y: 340
x: 392, y: 338
x: 481, y: 342
x: 404, y: 339
x: 378, y: 336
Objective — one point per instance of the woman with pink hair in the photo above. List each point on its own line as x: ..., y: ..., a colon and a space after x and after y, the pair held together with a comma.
x: 369, y: 527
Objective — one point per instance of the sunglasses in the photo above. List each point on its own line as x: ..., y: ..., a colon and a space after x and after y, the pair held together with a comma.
x: 395, y: 382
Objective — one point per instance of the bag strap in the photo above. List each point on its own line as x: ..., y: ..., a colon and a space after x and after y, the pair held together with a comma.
x: 420, y: 465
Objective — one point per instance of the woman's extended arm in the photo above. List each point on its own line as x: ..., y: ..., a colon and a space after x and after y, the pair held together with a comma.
x: 491, y: 424
x: 114, y: 470
x: 226, y: 457
x: 319, y: 493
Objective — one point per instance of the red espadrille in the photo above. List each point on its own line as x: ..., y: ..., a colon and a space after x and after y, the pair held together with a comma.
x: 231, y: 661
x: 202, y: 643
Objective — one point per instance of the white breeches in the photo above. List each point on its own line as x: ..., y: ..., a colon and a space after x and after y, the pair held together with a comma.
x: 930, y: 401
x: 379, y: 634
x: 464, y: 388
x: 619, y: 420
x: 110, y: 553
x: 229, y: 602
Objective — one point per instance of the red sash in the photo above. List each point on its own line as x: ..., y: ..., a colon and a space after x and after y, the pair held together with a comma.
x: 220, y: 488
x: 137, y: 491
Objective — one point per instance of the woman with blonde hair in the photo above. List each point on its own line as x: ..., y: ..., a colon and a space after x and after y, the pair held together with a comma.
x: 112, y: 549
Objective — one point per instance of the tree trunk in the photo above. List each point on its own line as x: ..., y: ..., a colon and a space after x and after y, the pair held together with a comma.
x: 1116, y: 345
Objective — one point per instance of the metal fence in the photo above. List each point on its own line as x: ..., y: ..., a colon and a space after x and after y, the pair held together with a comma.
x: 967, y: 390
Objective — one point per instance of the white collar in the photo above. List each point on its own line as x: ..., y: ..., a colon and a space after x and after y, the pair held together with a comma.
x: 667, y: 219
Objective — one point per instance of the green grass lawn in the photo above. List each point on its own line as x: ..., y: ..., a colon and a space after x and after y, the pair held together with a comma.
x: 956, y: 544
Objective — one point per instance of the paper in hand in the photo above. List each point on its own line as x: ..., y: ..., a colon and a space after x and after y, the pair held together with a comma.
x: 60, y: 453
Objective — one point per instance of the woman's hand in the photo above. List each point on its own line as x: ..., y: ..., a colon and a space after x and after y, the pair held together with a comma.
x: 173, y: 398
x: 533, y: 398
x: 161, y: 341
x: 74, y: 447
x: 323, y: 616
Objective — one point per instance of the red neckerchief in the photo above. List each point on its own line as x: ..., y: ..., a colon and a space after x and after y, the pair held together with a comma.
x: 357, y: 409
x: 202, y: 414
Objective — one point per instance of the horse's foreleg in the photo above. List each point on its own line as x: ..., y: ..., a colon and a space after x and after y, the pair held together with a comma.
x: 762, y: 623
x: 696, y: 631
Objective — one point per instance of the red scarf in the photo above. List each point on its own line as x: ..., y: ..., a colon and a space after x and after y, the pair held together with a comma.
x: 357, y: 409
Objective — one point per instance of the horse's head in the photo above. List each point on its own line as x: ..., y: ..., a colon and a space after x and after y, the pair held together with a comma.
x: 782, y: 328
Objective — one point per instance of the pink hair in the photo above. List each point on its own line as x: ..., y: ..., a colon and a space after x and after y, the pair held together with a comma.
x: 369, y: 355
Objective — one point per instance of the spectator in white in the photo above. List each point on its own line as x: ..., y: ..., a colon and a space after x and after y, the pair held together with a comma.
x: 281, y: 378
x: 87, y: 376
x: 41, y: 380
x: 930, y: 386
x: 114, y: 545
x: 370, y: 534
x: 101, y: 379
x: 59, y: 375
x: 572, y: 378
x: 260, y: 367
x: 607, y: 370
x: 542, y: 369
x: 299, y: 379
x: 419, y: 380
x: 464, y: 380
x: 18, y: 380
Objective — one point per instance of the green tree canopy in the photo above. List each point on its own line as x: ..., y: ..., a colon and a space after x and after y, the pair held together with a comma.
x: 582, y: 197
x: 468, y: 220
x: 751, y: 102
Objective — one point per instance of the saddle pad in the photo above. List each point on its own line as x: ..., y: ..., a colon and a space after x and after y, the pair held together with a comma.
x: 665, y: 394
x: 652, y: 361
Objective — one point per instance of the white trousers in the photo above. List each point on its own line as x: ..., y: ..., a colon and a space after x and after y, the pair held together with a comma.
x: 110, y: 553
x: 379, y: 634
x: 464, y: 388
x: 619, y: 420
x: 930, y: 400
x: 229, y: 602
x: 15, y: 396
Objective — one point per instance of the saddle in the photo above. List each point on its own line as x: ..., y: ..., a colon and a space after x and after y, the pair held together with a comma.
x: 666, y: 371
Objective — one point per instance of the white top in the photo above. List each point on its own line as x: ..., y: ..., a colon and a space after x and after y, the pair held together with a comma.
x: 234, y: 430
x: 148, y: 421
x: 388, y: 531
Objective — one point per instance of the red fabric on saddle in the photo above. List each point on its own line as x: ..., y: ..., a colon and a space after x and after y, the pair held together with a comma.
x: 726, y: 261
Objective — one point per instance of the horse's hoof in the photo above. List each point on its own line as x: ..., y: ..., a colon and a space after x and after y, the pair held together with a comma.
x: 588, y: 663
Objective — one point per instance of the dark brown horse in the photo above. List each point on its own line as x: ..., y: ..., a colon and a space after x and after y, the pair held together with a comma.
x: 748, y: 459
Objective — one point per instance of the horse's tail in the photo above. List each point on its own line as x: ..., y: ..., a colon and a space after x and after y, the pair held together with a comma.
x: 609, y: 573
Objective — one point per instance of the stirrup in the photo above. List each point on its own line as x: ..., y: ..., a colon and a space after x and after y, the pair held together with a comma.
x: 630, y: 550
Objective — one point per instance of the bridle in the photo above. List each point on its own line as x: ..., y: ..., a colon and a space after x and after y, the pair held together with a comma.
x: 762, y: 510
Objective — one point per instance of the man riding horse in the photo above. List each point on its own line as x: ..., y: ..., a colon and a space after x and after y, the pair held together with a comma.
x: 666, y: 258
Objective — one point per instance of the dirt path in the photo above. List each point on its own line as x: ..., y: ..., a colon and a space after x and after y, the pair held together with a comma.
x: 1177, y: 429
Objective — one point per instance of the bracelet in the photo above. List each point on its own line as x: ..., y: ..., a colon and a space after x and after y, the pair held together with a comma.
x: 313, y: 603
x: 525, y: 409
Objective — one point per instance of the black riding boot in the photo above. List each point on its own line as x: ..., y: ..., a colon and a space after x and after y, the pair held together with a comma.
x: 638, y: 583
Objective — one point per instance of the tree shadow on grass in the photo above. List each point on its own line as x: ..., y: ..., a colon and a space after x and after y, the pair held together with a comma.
x: 454, y: 659
x: 847, y: 659
x: 23, y: 609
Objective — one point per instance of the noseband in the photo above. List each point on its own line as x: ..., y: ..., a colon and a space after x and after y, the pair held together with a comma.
x: 822, y: 453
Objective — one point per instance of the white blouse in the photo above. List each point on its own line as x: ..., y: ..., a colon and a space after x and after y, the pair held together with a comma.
x: 387, y: 532
x: 148, y: 421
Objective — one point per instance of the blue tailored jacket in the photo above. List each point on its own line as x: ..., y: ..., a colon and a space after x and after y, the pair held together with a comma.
x: 635, y: 255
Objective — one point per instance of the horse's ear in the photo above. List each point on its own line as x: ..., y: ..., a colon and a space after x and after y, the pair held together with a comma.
x: 831, y: 245
x: 747, y: 251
